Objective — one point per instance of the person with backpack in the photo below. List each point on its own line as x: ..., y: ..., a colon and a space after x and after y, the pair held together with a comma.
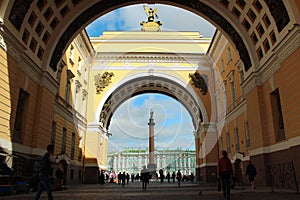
x: 45, y: 171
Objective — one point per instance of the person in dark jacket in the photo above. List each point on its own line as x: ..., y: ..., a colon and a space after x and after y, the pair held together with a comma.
x: 225, y: 172
x: 45, y: 173
x: 251, y: 173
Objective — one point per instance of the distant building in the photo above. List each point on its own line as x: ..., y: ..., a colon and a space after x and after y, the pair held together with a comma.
x: 132, y: 160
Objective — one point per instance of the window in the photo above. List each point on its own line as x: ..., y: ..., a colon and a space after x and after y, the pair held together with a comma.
x: 80, y: 155
x: 84, y: 95
x: 221, y: 143
x: 73, y: 146
x: 242, y: 76
x: 68, y: 91
x: 218, y: 105
x: 228, y: 142
x: 63, y: 143
x: 232, y: 87
x: 247, y: 134
x: 237, y: 139
x: 277, y: 116
x: 20, y: 119
x: 222, y: 66
x: 79, y: 65
x: 229, y: 58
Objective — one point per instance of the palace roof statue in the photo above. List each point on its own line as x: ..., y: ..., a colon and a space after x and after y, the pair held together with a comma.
x: 151, y: 25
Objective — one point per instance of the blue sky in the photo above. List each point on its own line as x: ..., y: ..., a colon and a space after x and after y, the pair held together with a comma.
x: 129, y: 125
x: 129, y: 18
x: 173, y: 124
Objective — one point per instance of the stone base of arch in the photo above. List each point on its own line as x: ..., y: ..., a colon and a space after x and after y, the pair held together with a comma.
x: 207, y: 174
x: 281, y: 162
x: 91, y: 171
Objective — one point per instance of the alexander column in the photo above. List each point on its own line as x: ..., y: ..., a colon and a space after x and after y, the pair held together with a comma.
x: 151, y: 138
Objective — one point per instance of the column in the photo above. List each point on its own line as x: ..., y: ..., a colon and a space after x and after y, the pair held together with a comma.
x: 151, y: 138
x: 119, y: 162
x: 164, y: 161
x: 189, y: 163
x: 127, y: 163
x: 146, y: 160
x: 115, y: 163
x: 139, y: 162
x: 123, y: 163
x: 184, y: 164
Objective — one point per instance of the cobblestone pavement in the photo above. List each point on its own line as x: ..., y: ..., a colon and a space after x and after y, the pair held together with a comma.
x: 156, y: 191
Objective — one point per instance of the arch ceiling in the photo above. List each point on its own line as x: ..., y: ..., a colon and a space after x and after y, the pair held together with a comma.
x: 48, y: 36
x: 152, y: 84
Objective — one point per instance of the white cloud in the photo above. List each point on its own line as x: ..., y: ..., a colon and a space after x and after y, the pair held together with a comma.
x: 129, y: 125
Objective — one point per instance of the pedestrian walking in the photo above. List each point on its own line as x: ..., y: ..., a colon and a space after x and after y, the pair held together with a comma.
x: 102, y: 177
x: 127, y: 178
x: 251, y: 173
x: 123, y: 178
x: 145, y: 177
x: 225, y: 172
x: 168, y: 177
x: 178, y: 177
x: 45, y: 171
x: 59, y: 176
x: 192, y: 177
x: 173, y: 177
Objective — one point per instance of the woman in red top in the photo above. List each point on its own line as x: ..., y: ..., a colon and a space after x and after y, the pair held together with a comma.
x: 225, y: 172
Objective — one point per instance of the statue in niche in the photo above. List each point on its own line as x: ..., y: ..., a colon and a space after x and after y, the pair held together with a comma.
x: 200, y: 81
x: 101, y: 81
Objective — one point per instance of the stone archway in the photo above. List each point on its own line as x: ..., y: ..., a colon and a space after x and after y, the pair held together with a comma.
x: 157, y: 83
x: 74, y: 15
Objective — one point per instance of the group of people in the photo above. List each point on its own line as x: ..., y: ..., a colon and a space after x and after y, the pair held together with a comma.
x: 146, y: 175
x: 225, y: 173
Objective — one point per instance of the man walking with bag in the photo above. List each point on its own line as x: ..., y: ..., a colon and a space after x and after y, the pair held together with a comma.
x: 45, y: 171
x: 225, y: 172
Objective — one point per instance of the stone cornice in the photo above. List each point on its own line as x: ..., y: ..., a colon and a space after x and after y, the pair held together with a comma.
x: 238, y: 110
x: 144, y: 57
x: 49, y: 82
x: 253, y: 80
x: 62, y: 111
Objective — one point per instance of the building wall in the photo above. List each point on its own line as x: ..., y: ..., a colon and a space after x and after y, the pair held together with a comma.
x: 256, y: 108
